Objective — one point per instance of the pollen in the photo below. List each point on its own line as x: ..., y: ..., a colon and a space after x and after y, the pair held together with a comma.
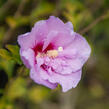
x: 52, y: 53
x: 60, y: 49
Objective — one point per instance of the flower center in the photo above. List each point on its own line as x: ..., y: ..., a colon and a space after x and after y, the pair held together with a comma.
x: 50, y: 53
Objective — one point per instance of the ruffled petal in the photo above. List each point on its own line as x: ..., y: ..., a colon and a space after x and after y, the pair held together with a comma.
x: 25, y: 41
x: 35, y: 75
x: 69, y: 25
x: 37, y: 35
x: 49, y: 39
x: 63, y: 32
x: 66, y: 81
x: 77, y: 52
x: 48, y: 31
x: 54, y: 23
x: 40, y: 31
x: 28, y: 57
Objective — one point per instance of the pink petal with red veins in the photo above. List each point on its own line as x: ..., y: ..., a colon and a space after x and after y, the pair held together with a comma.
x: 37, y: 35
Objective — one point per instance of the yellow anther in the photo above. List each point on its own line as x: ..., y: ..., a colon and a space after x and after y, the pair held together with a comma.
x: 52, y: 53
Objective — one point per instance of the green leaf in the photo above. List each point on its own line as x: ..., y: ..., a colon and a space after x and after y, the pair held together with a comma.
x: 12, y: 55
x: 7, y: 66
x: 2, y: 33
x: 17, y: 88
x: 14, y: 49
x: 38, y: 94
x: 5, y: 54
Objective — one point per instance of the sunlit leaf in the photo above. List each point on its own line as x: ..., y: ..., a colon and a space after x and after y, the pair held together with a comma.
x: 38, y: 94
x: 16, y: 22
x: 14, y: 49
x: 5, y: 54
x: 7, y: 66
x: 16, y: 89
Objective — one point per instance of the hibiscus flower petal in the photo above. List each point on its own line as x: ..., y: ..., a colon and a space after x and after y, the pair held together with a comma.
x: 77, y: 52
x: 37, y: 35
x: 35, y: 75
x: 67, y: 81
x: 28, y: 57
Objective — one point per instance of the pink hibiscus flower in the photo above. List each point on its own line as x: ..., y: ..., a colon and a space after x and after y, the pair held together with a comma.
x: 54, y: 53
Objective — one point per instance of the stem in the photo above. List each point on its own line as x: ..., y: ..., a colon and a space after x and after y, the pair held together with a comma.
x: 96, y: 21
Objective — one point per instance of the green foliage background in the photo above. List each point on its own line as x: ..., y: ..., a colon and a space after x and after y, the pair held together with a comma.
x: 90, y: 18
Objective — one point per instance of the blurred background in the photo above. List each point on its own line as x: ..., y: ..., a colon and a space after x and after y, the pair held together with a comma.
x: 90, y: 18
